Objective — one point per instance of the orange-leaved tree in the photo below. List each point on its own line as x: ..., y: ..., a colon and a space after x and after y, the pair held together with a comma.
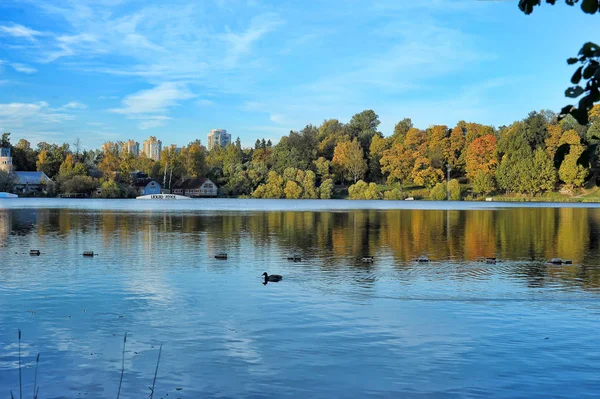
x: 482, y: 156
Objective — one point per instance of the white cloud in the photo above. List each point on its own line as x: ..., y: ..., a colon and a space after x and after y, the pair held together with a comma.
x: 20, y: 31
x: 69, y: 45
x: 156, y: 100
x: 277, y: 118
x: 23, y: 68
x: 241, y: 43
x: 151, y: 122
x: 74, y: 105
x: 150, y: 105
x: 18, y: 114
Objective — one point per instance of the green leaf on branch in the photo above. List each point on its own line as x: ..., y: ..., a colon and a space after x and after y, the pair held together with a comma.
x: 590, y: 50
x: 577, y: 76
x: 561, y: 153
x: 589, y: 6
x: 590, y: 70
x: 574, y: 91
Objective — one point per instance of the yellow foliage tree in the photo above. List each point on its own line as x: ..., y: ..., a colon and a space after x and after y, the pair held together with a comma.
x: 349, y: 158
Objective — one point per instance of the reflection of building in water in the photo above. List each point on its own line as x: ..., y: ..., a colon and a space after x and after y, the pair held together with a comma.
x: 5, y: 224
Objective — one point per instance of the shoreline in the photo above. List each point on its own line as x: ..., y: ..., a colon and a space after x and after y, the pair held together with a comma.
x: 274, y: 205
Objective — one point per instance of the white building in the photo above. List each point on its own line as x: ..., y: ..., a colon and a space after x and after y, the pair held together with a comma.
x: 132, y: 147
x: 218, y: 137
x: 6, y: 163
x: 153, y: 148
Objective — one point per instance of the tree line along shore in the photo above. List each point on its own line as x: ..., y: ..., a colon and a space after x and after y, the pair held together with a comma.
x: 536, y: 158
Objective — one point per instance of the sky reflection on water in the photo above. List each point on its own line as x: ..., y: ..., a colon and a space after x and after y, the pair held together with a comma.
x: 334, y: 327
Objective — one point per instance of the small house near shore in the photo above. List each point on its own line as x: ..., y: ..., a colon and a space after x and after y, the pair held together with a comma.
x: 197, y: 187
x: 152, y: 187
x: 31, y: 182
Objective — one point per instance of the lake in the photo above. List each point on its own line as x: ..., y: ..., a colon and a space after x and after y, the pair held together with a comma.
x: 455, y: 327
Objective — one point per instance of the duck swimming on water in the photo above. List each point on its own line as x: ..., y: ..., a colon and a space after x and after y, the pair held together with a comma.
x: 272, y: 278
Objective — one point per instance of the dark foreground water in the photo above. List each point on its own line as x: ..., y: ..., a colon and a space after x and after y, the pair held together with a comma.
x: 452, y: 328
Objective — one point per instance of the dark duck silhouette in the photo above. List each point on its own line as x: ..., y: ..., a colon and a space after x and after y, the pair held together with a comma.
x: 273, y: 278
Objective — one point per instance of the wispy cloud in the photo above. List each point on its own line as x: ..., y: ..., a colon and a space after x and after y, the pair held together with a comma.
x: 241, y: 43
x: 74, y: 105
x: 150, y: 122
x: 20, y: 31
x: 151, y: 105
x: 277, y: 118
x: 16, y: 114
x: 23, y: 68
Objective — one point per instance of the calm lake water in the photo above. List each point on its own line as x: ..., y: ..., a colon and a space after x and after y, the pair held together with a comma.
x: 452, y: 328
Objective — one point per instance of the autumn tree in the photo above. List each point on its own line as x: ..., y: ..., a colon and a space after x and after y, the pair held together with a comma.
x: 455, y: 149
x: 481, y: 156
x: 43, y: 164
x: 397, y: 163
x: 349, y: 158
x: 331, y: 132
x: 423, y: 174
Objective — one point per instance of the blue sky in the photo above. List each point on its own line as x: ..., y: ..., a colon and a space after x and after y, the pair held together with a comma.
x: 118, y: 69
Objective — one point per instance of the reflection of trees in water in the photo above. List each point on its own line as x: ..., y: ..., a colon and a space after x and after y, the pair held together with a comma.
x: 335, y: 237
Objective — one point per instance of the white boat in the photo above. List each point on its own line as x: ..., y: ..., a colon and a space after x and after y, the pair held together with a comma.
x: 163, y: 197
x: 8, y: 195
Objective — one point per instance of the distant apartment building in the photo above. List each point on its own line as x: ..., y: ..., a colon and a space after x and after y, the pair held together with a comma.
x: 174, y: 148
x: 132, y: 147
x: 6, y: 163
x: 153, y: 148
x: 218, y: 137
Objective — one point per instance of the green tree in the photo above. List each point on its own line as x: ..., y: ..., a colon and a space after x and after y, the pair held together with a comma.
x: 358, y: 190
x: 439, y: 193
x: 331, y: 133
x: 5, y: 140
x: 79, y: 185
x: 297, y: 150
x: 308, y: 181
x: 363, y: 126
x: 378, y: 146
x: 401, y: 129
x: 394, y: 194
x: 323, y: 168
x: 326, y: 189
x: 455, y: 150
x: 110, y: 189
x: 543, y: 174
x: 274, y: 186
x: 7, y: 181
x: 570, y: 172
x: 193, y: 158
x: 454, y: 189
x: 483, y: 182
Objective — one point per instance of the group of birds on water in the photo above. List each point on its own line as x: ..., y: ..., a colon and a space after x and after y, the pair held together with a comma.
x: 275, y: 278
